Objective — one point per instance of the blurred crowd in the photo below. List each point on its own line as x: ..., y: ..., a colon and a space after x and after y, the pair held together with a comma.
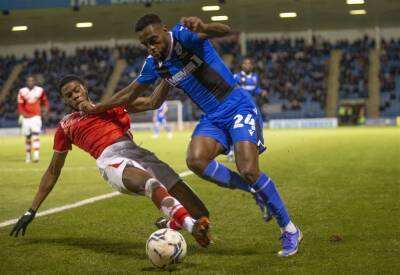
x: 292, y: 72
x: 6, y: 65
x: 354, y: 68
x: 95, y: 65
x: 389, y: 76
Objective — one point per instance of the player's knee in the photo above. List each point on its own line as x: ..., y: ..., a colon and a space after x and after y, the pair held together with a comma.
x: 150, y: 185
x: 196, y: 164
x: 250, y: 174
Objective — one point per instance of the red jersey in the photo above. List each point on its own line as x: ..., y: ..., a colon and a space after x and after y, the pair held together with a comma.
x: 29, y: 101
x: 92, y: 133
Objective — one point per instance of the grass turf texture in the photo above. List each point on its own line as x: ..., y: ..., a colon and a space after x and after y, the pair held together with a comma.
x: 341, y: 187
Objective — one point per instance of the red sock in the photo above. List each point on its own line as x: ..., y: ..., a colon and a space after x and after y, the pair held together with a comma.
x: 179, y: 216
x: 173, y: 224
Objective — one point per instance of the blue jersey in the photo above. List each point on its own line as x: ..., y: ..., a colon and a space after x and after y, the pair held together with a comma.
x: 194, y: 66
x: 160, y: 112
x: 249, y: 82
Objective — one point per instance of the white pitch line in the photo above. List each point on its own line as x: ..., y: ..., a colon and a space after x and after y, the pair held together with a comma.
x: 78, y: 204
x: 30, y: 169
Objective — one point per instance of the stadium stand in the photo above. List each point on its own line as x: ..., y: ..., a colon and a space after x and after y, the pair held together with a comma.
x: 294, y: 74
x: 6, y: 65
x: 390, y: 78
x: 354, y: 68
x: 93, y: 64
x: 134, y: 57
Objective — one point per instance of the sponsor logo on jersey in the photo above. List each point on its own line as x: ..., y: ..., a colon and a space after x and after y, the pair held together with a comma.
x: 195, y: 62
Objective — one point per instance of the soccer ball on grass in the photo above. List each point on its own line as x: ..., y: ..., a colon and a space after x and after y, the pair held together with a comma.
x: 165, y: 247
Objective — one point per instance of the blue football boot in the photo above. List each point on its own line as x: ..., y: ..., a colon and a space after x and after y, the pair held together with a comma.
x: 290, y: 243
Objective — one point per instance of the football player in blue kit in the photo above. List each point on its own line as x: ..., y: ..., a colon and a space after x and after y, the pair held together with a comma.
x: 184, y: 57
x: 248, y: 80
x: 160, y: 119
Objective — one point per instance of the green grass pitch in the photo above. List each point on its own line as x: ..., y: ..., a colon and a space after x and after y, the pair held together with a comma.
x: 342, y: 182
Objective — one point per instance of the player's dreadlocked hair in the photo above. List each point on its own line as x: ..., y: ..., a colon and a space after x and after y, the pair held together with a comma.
x: 68, y: 78
x: 145, y: 20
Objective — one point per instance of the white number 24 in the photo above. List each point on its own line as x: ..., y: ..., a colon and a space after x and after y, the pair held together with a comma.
x: 249, y: 120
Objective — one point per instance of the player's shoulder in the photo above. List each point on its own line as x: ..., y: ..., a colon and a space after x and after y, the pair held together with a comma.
x: 149, y: 61
x: 67, y: 118
x: 39, y: 88
x: 23, y: 90
x: 180, y: 32
x: 178, y: 28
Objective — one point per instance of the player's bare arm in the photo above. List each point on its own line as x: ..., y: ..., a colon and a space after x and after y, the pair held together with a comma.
x: 123, y: 97
x: 49, y: 178
x: 47, y: 183
x: 205, y: 31
x: 153, y: 102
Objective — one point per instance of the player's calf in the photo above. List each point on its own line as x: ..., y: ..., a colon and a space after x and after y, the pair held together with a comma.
x: 36, y: 147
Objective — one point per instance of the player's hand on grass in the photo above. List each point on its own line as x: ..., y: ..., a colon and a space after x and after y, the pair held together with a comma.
x: 194, y: 24
x: 23, y: 223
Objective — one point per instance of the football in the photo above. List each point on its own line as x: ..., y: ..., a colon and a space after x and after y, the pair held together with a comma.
x: 165, y: 247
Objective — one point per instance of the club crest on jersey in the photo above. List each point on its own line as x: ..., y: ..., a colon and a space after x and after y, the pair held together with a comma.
x: 178, y: 49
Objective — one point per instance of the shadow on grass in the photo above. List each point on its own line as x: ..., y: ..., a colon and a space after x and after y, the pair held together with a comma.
x: 126, y: 248
x: 186, y: 265
x: 225, y: 251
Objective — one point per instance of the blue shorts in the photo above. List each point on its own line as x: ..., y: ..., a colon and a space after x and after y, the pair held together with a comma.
x: 236, y: 119
x: 161, y: 120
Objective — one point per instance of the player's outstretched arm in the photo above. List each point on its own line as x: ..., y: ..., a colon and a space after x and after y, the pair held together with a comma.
x: 121, y: 98
x: 142, y: 104
x: 204, y: 30
x: 47, y: 183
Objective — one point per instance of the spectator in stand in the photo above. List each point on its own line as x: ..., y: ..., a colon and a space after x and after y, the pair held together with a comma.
x: 30, y: 99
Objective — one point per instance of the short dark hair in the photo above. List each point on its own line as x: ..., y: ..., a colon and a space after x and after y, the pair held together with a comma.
x: 145, y: 20
x: 68, y: 78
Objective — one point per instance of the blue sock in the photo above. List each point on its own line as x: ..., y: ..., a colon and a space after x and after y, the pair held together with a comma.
x: 156, y: 130
x: 225, y: 177
x: 265, y: 187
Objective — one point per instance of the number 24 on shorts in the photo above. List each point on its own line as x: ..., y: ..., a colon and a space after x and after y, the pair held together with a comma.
x: 249, y: 120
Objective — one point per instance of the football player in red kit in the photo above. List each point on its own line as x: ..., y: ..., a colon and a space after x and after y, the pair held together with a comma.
x: 30, y: 99
x: 124, y: 165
